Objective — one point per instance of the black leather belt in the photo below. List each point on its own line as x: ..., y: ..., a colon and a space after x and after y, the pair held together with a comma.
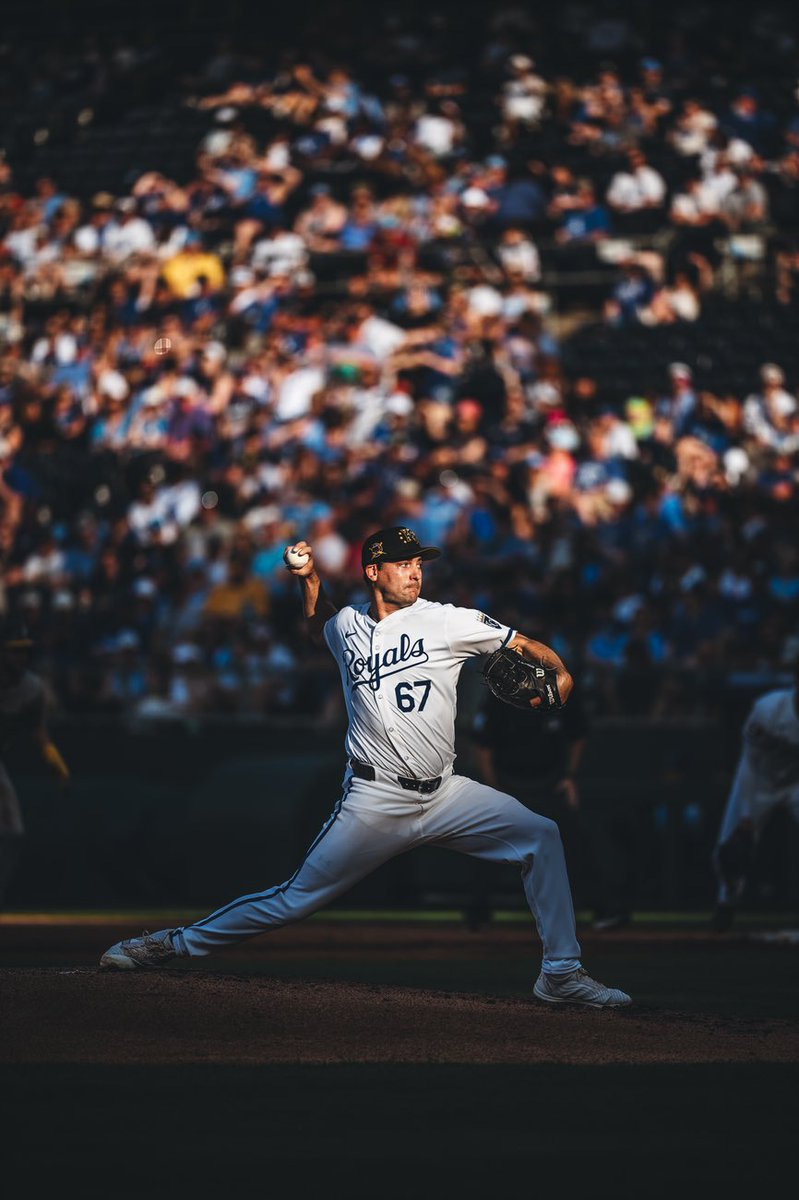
x: 424, y: 786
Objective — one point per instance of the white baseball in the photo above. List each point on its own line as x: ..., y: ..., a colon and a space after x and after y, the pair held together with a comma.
x: 294, y: 558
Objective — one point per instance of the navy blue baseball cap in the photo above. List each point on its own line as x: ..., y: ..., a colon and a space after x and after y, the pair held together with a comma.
x: 395, y: 545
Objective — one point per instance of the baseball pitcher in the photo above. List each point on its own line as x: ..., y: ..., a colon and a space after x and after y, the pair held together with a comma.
x: 400, y: 657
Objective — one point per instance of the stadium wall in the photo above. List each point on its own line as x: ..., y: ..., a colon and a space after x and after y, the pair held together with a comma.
x: 196, y: 813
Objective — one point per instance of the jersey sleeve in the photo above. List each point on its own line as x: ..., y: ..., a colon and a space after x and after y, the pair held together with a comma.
x: 471, y: 632
x: 332, y: 633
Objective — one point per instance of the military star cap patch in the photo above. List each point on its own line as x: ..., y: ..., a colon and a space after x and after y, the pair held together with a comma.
x: 395, y: 545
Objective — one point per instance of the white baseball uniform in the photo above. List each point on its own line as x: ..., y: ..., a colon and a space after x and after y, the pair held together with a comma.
x: 768, y: 769
x: 399, y: 677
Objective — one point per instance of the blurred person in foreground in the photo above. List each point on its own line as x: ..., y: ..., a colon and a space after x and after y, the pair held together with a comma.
x: 766, y: 777
x: 23, y: 713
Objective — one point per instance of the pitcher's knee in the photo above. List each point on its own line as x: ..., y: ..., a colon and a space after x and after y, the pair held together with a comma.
x: 542, y: 838
x: 544, y: 831
x: 549, y: 829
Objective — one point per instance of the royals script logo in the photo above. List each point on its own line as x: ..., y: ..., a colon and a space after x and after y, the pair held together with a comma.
x: 376, y: 667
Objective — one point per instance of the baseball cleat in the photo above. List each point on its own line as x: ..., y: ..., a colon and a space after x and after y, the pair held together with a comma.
x: 149, y: 950
x: 577, y: 987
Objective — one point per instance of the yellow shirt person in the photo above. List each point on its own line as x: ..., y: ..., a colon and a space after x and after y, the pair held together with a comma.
x: 240, y: 595
x: 183, y: 271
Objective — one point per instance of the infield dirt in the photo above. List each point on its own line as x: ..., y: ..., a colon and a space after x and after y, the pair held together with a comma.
x: 57, y: 1008
x: 86, y: 1016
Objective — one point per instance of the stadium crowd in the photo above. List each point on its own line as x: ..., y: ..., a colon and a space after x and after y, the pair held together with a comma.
x: 349, y: 314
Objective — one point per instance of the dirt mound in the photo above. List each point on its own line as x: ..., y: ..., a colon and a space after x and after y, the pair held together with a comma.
x: 82, y: 1015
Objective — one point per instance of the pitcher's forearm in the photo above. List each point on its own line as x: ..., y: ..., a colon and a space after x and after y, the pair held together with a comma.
x: 532, y: 650
x: 311, y: 591
x: 316, y: 606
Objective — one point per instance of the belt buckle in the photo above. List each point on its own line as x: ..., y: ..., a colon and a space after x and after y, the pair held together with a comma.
x: 424, y: 787
x: 428, y: 786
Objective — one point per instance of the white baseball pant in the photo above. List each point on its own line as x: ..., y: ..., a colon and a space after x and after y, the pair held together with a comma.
x: 749, y: 803
x: 375, y: 821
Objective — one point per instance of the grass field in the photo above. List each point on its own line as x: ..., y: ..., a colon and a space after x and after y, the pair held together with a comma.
x: 395, y: 1128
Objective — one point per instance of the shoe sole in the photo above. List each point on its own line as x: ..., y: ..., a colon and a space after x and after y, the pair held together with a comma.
x: 583, y: 1003
x: 118, y: 962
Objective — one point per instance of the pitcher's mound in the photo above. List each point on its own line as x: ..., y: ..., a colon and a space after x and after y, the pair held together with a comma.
x: 187, y: 1016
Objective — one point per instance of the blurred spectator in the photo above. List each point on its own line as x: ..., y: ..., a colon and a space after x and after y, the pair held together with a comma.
x: 693, y: 128
x: 678, y: 300
x: 583, y: 224
x: 240, y: 595
x: 321, y: 223
x: 519, y: 256
x: 636, y: 196
x: 517, y: 197
x: 632, y: 295
x: 680, y: 405
x: 745, y: 208
x: 769, y: 413
x: 127, y: 233
x: 748, y: 120
x: 183, y: 272
x: 523, y: 98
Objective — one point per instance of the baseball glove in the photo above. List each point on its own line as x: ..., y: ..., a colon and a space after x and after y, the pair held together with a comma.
x: 516, y: 681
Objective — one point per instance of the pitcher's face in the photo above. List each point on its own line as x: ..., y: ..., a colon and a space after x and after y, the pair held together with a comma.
x: 399, y: 583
